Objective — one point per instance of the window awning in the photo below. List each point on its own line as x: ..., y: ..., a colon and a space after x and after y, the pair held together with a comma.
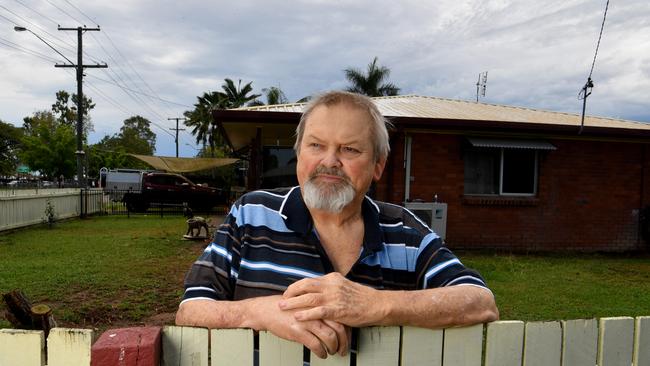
x: 511, y: 143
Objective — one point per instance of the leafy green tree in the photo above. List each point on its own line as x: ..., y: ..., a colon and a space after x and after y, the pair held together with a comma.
x: 372, y: 82
x: 67, y: 114
x: 10, y: 140
x: 49, y: 147
x: 237, y: 96
x: 137, y: 137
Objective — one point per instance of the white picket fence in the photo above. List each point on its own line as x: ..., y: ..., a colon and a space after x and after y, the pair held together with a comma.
x: 621, y: 341
x: 24, y: 207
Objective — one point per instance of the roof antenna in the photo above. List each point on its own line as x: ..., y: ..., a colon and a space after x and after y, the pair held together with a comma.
x: 589, y: 85
x: 481, y: 85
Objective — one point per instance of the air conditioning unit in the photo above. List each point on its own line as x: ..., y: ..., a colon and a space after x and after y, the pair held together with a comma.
x: 433, y: 214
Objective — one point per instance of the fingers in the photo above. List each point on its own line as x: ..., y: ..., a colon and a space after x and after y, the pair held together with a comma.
x: 304, y: 286
x: 315, y: 345
x: 343, y: 334
x: 328, y: 337
x: 303, y: 301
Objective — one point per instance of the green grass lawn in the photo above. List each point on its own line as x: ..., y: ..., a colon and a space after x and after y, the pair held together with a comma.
x: 100, y: 271
x: 566, y: 286
x: 116, y: 271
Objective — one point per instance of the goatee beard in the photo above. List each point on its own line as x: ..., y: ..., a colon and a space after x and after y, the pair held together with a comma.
x: 330, y: 197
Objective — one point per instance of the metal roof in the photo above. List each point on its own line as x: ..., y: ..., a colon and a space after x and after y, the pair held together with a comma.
x: 414, y: 106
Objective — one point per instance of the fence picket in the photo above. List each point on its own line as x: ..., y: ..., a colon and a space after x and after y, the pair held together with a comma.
x: 615, y: 341
x: 21, y: 347
x: 278, y: 351
x: 642, y: 341
x: 543, y: 344
x: 378, y: 346
x: 421, y: 346
x: 334, y: 360
x: 231, y: 347
x: 579, y: 342
x: 69, y: 347
x: 463, y: 346
x: 504, y: 343
x: 185, y: 346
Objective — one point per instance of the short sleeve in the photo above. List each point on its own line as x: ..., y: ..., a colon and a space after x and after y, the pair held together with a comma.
x: 214, y: 273
x: 437, y: 266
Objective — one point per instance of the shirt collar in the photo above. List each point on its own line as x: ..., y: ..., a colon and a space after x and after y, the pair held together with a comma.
x: 297, y: 218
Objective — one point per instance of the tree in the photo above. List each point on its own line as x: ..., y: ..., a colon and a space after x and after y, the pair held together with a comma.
x: 68, y: 114
x: 137, y: 137
x: 49, y: 147
x: 371, y: 83
x: 10, y: 138
x: 273, y: 95
x: 237, y: 96
x: 200, y: 119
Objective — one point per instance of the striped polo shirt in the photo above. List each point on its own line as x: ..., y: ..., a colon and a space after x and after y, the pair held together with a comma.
x: 268, y: 241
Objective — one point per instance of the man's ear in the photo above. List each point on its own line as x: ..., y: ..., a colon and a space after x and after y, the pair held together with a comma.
x: 380, y: 164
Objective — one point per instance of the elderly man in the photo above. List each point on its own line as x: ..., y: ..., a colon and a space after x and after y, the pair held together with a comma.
x: 308, y: 262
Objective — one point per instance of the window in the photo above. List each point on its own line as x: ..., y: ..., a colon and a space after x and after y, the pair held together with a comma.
x: 501, y: 171
x: 507, y: 167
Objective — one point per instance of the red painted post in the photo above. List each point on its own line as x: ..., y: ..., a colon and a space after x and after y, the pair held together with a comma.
x: 140, y: 346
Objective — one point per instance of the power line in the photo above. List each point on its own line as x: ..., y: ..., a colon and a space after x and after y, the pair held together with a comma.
x: 79, y: 10
x: 589, y: 85
x: 137, y: 92
x: 37, y: 13
x: 67, y: 46
x: 602, y: 26
x: 20, y: 48
x: 65, y: 12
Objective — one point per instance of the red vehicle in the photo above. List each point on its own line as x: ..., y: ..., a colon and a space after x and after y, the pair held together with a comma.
x: 139, y: 190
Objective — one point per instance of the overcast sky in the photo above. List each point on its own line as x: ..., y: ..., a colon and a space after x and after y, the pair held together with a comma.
x: 537, y: 53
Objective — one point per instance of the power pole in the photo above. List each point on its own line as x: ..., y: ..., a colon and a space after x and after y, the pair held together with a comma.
x: 80, y: 97
x: 177, y: 129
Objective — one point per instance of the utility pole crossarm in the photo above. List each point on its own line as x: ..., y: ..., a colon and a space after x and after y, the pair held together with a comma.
x: 177, y: 129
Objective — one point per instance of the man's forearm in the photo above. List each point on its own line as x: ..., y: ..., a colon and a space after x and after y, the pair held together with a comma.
x: 438, y: 308
x: 217, y: 314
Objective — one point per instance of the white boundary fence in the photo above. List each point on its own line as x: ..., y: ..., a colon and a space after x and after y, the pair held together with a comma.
x: 24, y: 207
x: 621, y: 341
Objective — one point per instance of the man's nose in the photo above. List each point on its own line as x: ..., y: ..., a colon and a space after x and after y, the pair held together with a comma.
x: 331, y: 158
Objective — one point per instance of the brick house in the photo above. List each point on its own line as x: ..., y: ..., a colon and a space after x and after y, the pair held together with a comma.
x: 512, y: 178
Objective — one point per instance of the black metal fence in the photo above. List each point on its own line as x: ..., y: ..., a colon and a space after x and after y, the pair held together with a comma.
x: 96, y: 201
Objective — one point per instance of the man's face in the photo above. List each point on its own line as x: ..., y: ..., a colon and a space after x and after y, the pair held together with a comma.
x: 336, y: 157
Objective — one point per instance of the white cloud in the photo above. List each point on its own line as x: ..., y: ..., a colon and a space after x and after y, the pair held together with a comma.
x: 538, y: 54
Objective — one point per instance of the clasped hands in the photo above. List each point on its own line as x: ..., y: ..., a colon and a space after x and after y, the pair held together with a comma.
x: 318, y: 312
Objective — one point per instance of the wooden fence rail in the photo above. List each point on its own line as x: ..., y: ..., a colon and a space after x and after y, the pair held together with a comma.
x: 620, y: 341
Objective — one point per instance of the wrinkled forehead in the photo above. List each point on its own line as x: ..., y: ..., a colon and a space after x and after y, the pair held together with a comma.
x: 358, y: 115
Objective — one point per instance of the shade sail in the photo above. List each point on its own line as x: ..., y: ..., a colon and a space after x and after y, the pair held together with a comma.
x: 184, y: 165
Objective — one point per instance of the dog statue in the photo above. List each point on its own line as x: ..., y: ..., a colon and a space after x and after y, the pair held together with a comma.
x: 194, y: 225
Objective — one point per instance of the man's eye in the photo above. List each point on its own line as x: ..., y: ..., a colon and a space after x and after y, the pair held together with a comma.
x: 350, y: 150
x: 314, y: 145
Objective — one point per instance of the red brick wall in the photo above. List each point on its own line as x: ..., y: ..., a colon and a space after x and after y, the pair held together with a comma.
x: 589, y: 196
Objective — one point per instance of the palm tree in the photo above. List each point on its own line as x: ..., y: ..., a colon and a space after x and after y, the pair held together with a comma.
x: 237, y: 96
x: 274, y: 95
x: 200, y: 119
x: 371, y: 83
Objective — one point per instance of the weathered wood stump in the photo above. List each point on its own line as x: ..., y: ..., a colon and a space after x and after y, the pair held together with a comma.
x: 22, y: 315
